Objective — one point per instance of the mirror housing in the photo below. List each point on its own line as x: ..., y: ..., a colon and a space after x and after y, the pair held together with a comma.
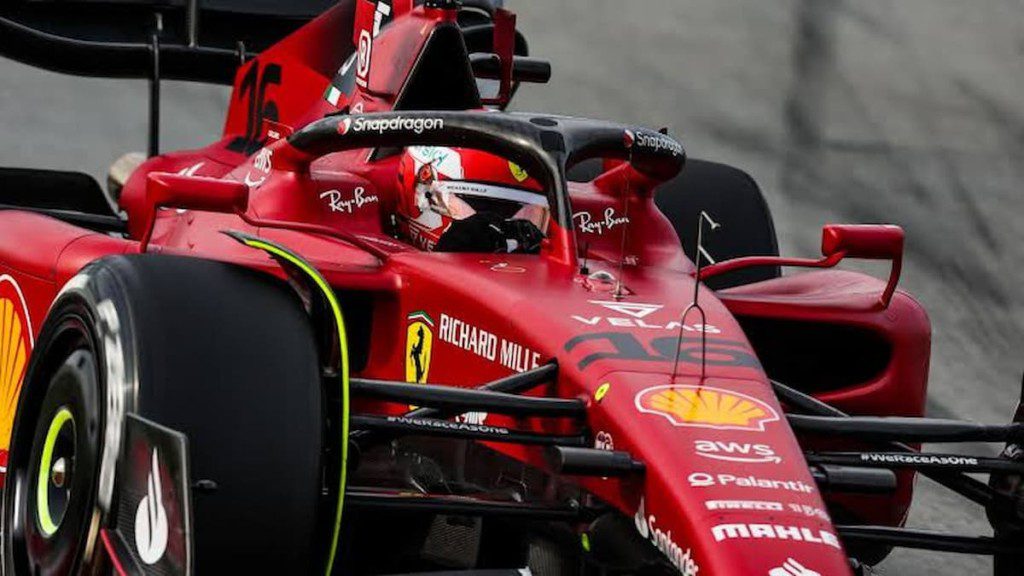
x: 864, y: 241
x: 166, y: 190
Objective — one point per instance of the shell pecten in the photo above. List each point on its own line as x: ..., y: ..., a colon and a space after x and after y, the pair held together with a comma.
x: 13, y: 360
x: 707, y: 407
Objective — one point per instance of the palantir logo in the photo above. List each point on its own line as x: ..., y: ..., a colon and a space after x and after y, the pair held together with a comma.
x: 151, y: 518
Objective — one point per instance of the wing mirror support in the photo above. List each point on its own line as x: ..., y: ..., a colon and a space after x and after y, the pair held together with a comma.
x: 166, y: 190
x: 838, y: 241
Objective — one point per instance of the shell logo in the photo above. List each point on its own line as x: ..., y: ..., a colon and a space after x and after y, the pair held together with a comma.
x: 706, y: 407
x: 15, y: 347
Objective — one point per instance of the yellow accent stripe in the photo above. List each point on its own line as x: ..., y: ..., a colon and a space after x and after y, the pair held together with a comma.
x: 42, y: 493
x: 343, y: 341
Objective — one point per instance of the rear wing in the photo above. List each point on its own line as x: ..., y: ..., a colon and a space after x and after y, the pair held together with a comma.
x: 197, y: 40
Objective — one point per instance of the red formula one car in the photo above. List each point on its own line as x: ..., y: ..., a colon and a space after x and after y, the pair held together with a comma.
x: 384, y: 326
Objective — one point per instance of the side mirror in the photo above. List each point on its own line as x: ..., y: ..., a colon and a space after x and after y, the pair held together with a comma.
x: 166, y: 190
x: 867, y: 241
x: 838, y: 241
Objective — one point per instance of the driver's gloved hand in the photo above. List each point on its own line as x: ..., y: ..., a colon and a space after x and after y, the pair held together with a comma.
x: 487, y: 232
x: 481, y: 232
x: 522, y: 236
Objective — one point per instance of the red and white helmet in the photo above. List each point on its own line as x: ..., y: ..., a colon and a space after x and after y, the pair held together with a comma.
x: 439, y: 185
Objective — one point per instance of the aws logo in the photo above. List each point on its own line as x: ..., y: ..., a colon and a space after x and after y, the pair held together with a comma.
x: 706, y: 407
x: 419, y: 340
x: 15, y: 346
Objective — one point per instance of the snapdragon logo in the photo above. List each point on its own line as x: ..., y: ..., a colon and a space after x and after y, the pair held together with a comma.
x: 662, y: 540
x: 657, y: 142
x: 385, y: 125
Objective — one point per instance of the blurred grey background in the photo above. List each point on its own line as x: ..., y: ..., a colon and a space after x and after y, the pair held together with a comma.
x: 908, y: 112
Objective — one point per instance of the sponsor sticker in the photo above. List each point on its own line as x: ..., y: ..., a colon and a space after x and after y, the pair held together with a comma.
x: 792, y: 568
x: 775, y: 532
x: 262, y: 162
x: 151, y: 530
x: 706, y: 407
x: 634, y: 309
x: 704, y: 480
x: 419, y: 339
x: 604, y: 441
x: 736, y: 451
x: 191, y: 170
x: 357, y: 199
x: 517, y: 172
x: 16, y: 342
x: 588, y: 224
x: 634, y: 315
x: 487, y: 345
x: 647, y: 526
x: 361, y: 124
x: 758, y: 505
x: 653, y: 141
x: 812, y: 511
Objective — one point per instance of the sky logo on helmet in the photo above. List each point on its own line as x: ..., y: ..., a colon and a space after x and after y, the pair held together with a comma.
x: 706, y: 407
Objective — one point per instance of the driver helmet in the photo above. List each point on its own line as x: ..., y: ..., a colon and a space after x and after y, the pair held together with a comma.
x: 439, y: 186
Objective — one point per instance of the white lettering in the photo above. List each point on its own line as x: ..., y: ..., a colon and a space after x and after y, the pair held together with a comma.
x: 358, y: 200
x: 775, y: 532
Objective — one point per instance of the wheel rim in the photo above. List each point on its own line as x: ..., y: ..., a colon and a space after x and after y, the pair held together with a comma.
x: 53, y: 487
x: 50, y: 496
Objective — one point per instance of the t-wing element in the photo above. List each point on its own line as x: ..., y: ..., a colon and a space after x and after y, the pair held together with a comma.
x: 838, y: 241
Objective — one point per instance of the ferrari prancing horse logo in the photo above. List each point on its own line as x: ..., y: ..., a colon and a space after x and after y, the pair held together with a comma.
x: 15, y: 346
x: 419, y: 338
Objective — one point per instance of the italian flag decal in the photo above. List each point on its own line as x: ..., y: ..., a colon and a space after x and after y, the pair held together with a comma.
x: 332, y: 95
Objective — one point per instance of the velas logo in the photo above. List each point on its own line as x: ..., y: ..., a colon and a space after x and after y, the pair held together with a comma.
x: 634, y: 309
x: 382, y: 126
x: 706, y: 407
x: 15, y: 348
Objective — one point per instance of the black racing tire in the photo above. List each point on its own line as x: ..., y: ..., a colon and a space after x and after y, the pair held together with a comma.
x: 733, y: 199
x: 221, y: 353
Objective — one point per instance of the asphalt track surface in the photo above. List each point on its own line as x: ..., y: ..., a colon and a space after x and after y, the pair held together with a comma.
x: 908, y: 112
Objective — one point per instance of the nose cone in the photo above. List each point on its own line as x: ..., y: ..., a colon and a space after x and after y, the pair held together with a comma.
x: 726, y: 489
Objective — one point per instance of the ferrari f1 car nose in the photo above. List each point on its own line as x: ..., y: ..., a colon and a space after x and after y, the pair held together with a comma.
x: 726, y: 488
